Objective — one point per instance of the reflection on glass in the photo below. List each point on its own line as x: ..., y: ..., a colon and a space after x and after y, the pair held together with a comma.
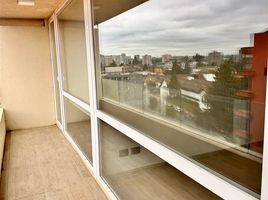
x: 55, y: 71
x: 199, y: 67
x: 78, y: 127
x: 135, y: 173
x: 73, y: 50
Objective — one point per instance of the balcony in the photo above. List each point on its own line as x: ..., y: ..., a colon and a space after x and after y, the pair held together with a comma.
x: 83, y: 124
x: 242, y: 113
x: 247, y: 51
x: 40, y: 164
x: 245, y: 93
x: 245, y: 72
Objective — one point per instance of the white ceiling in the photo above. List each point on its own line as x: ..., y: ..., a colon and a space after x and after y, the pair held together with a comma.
x: 42, y: 9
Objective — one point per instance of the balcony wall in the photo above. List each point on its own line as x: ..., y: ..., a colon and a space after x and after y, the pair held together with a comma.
x: 26, y: 88
x: 2, y: 136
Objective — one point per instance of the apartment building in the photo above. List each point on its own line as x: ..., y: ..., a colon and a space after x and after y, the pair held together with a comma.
x: 71, y: 129
x: 254, y: 72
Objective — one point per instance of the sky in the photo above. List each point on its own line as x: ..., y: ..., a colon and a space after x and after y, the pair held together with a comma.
x: 184, y: 27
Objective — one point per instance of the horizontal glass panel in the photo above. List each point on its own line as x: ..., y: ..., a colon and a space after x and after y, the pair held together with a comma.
x: 197, y: 69
x: 78, y: 127
x: 133, y: 172
x: 232, y: 163
x: 73, y: 50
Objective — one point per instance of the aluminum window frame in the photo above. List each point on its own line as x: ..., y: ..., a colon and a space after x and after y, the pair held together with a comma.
x: 53, y: 65
x: 54, y: 78
x: 217, y: 185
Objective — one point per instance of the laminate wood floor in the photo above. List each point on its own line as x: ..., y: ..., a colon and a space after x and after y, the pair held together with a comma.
x: 40, y: 164
x: 242, y: 170
x: 158, y: 182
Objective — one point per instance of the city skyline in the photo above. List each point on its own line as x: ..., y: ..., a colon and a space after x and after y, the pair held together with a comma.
x: 150, y: 29
x: 172, y: 55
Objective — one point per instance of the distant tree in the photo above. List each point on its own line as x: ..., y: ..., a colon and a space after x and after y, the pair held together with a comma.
x: 174, y: 83
x: 156, y: 60
x: 200, y: 65
x: 220, y: 99
x: 176, y: 69
x: 198, y: 58
x: 187, y: 69
x: 225, y: 78
x: 185, y: 59
x: 135, y: 61
x: 241, y: 63
x: 113, y: 64
x: 145, y: 67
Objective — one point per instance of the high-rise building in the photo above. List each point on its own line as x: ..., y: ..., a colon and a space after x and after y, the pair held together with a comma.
x: 123, y: 59
x: 108, y: 60
x: 166, y: 58
x: 137, y: 57
x: 117, y: 59
x: 147, y: 60
x: 215, y: 58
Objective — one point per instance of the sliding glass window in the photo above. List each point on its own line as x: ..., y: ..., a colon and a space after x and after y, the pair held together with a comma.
x: 73, y: 50
x: 190, y: 75
x: 78, y: 126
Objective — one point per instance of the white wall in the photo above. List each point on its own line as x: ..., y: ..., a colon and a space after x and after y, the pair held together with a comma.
x: 26, y: 88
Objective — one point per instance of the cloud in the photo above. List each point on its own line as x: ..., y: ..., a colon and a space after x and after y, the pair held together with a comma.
x: 184, y: 27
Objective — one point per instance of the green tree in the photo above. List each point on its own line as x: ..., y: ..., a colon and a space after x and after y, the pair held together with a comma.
x: 113, y: 64
x: 200, y: 65
x: 135, y: 61
x: 220, y: 99
x: 187, y: 69
x: 176, y: 69
x: 198, y: 58
x: 186, y: 59
x: 145, y: 67
x: 174, y: 83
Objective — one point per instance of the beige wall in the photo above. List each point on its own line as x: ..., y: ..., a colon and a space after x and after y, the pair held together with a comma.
x: 2, y: 136
x: 112, y: 141
x: 26, y: 88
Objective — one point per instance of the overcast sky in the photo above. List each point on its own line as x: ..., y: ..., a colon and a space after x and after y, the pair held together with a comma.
x: 184, y: 27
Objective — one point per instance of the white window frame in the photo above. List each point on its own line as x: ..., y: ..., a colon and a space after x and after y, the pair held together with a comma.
x: 58, y: 68
x: 64, y: 94
x: 214, y: 183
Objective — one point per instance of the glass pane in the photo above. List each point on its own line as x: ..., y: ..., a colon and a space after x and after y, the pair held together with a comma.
x: 197, y: 70
x: 135, y: 173
x: 73, y: 50
x: 55, y: 71
x: 78, y: 127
